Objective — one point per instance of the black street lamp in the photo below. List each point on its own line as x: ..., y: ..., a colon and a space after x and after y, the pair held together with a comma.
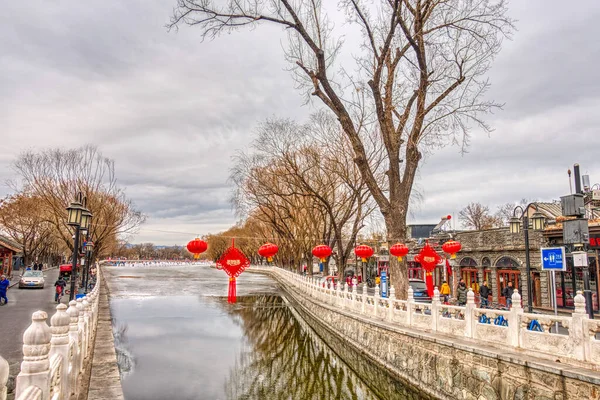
x: 79, y: 217
x: 537, y: 221
x: 89, y: 245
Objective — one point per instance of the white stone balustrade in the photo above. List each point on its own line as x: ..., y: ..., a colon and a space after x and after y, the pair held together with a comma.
x: 54, y: 356
x: 574, y: 340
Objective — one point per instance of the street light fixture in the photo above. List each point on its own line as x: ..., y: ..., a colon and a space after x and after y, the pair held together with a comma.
x: 79, y: 217
x: 538, y: 222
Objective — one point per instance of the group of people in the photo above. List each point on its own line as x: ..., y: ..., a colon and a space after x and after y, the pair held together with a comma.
x: 36, y: 267
x: 484, y: 293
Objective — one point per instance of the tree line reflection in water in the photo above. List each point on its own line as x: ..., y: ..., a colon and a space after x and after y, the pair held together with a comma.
x: 283, y: 358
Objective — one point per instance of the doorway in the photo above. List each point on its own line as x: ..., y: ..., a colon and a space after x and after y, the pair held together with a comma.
x: 503, y: 277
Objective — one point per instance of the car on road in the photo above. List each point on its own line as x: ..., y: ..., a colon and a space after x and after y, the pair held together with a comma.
x: 420, y: 292
x: 32, y: 279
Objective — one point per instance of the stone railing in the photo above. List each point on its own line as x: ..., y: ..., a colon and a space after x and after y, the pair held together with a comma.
x: 570, y: 339
x: 55, y: 356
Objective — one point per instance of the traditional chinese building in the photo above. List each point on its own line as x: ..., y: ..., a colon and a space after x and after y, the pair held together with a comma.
x: 8, y: 249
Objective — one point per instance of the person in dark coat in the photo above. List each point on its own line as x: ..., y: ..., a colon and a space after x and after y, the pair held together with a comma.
x: 484, y: 294
x: 461, y: 293
x: 4, y: 284
x: 507, y: 293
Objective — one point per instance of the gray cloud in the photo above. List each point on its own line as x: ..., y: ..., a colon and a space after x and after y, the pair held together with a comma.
x: 172, y: 110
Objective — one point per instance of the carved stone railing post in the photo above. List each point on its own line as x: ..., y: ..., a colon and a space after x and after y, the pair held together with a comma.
x: 60, y: 346
x: 469, y: 308
x: 391, y: 304
x: 435, y: 309
x: 338, y: 293
x: 409, y: 306
x: 344, y: 295
x: 363, y: 306
x: 35, y: 368
x: 578, y: 330
x: 376, y: 299
x: 82, y: 333
x: 514, y: 320
x: 75, y: 358
x: 4, y: 370
x: 88, y: 323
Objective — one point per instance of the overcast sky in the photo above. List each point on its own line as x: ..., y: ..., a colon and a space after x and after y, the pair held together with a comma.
x: 171, y: 110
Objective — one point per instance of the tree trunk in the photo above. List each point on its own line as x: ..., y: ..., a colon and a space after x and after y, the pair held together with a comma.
x: 395, y: 223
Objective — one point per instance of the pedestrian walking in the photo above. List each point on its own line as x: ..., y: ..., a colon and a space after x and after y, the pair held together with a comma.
x: 60, y: 285
x: 4, y: 284
x: 445, y: 291
x: 507, y: 292
x: 484, y: 294
x: 461, y: 293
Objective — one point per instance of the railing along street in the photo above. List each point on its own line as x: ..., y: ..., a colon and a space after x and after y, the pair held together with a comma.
x: 567, y: 338
x: 55, y: 355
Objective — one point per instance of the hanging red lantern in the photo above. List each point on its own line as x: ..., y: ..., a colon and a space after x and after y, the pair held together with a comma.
x: 399, y: 250
x: 268, y: 250
x: 451, y: 247
x: 197, y: 247
x: 321, y: 251
x: 363, y: 251
x: 428, y: 258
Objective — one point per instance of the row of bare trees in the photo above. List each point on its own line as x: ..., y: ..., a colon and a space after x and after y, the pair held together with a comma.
x: 414, y: 82
x: 478, y: 216
x: 35, y: 214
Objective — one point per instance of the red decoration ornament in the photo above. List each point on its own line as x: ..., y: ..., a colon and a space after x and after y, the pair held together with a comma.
x: 197, y: 247
x: 399, y: 250
x: 363, y: 251
x: 322, y: 251
x: 428, y: 258
x: 268, y: 250
x: 451, y: 247
x: 233, y: 262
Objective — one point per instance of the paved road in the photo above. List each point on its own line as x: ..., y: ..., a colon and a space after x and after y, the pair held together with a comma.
x: 15, y: 317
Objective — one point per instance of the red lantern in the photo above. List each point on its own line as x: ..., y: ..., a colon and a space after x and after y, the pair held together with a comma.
x: 399, y: 250
x: 363, y: 251
x: 233, y: 262
x: 268, y: 250
x: 322, y: 251
x: 428, y: 258
x: 197, y: 247
x: 451, y: 247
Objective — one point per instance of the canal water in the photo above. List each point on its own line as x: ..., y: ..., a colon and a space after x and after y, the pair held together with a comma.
x: 177, y: 338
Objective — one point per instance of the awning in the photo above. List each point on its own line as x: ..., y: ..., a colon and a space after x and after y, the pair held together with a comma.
x: 66, y: 268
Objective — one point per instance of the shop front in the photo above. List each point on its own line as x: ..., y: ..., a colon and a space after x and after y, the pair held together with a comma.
x: 8, y: 249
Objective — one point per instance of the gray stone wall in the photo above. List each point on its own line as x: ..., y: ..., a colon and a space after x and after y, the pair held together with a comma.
x: 449, y: 368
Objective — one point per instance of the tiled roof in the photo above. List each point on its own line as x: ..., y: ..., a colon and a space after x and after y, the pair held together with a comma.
x: 550, y: 210
x: 10, y: 244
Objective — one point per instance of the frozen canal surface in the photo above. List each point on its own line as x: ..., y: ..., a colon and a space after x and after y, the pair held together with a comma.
x: 178, y: 338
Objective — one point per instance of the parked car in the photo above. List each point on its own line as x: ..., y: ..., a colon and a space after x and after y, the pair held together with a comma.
x: 32, y: 279
x: 327, y: 281
x: 420, y: 292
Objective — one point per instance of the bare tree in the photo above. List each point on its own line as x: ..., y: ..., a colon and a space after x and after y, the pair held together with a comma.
x: 506, y: 211
x: 55, y: 176
x: 418, y: 81
x: 477, y: 216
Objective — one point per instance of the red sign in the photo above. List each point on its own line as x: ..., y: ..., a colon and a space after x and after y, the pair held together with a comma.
x: 595, y: 242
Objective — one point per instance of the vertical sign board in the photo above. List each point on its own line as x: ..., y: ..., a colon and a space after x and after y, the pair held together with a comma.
x: 553, y: 259
x: 383, y: 283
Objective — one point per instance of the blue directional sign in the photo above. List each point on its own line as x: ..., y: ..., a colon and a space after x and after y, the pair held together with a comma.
x: 553, y: 259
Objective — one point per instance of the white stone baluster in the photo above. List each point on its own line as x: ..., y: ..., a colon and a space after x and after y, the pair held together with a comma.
x: 514, y: 320
x: 344, y: 295
x: 376, y: 299
x: 578, y: 331
x: 363, y: 306
x: 435, y: 309
x: 59, y: 325
x: 4, y: 370
x: 35, y: 368
x: 88, y: 324
x: 469, y: 308
x: 338, y: 293
x: 391, y: 304
x: 82, y: 333
x: 409, y: 306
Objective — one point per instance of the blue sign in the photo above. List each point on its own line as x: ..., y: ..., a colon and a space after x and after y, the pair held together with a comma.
x: 383, y: 283
x: 553, y: 259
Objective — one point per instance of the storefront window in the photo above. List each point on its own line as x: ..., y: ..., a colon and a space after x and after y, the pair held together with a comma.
x: 569, y: 282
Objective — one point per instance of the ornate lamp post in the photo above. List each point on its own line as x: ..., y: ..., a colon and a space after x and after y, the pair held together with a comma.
x: 89, y: 245
x: 537, y: 221
x: 78, y: 217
